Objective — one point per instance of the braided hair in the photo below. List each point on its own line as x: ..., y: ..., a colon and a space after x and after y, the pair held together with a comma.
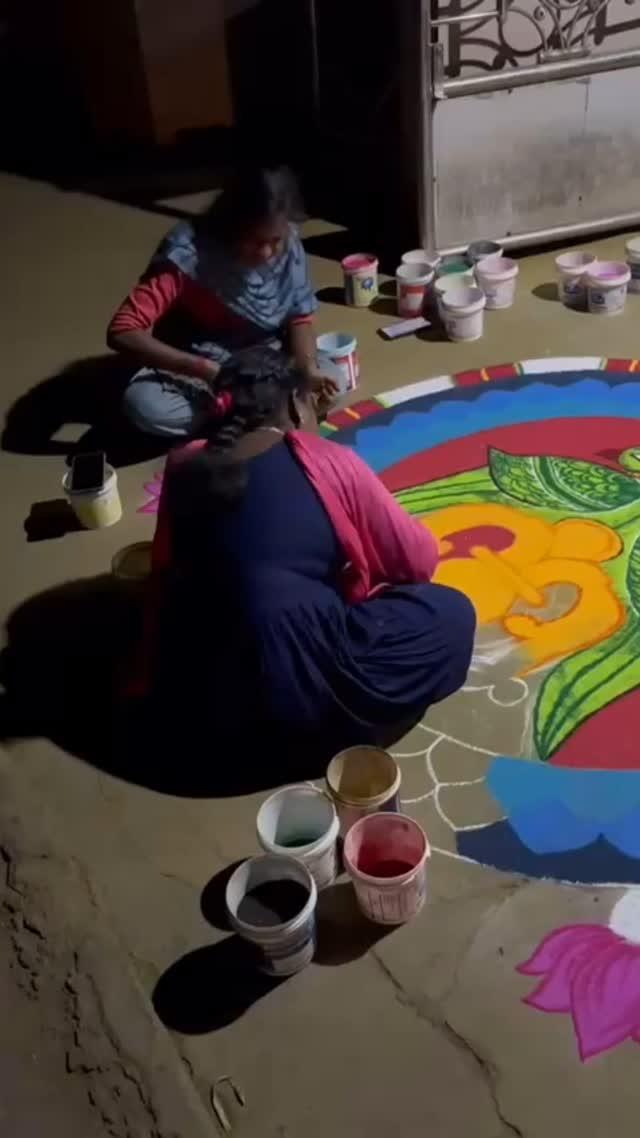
x: 255, y: 390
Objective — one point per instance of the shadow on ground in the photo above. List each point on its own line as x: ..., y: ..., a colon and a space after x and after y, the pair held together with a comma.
x: 78, y: 409
x: 186, y: 999
x: 69, y: 655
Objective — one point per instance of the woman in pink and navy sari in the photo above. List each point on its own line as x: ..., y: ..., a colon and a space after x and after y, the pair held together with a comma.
x: 293, y: 593
x: 235, y: 278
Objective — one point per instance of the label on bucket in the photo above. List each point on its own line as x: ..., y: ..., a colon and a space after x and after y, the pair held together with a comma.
x: 393, y: 905
x: 292, y: 953
x: 607, y: 300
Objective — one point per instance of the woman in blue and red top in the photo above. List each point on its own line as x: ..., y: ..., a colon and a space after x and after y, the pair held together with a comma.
x: 235, y: 278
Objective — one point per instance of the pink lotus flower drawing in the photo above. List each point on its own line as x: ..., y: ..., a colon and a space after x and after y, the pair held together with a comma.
x: 153, y: 489
x: 592, y: 973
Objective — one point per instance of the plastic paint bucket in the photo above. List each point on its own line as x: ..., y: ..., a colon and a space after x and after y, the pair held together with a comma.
x: 497, y: 277
x: 412, y: 281
x: 385, y: 856
x: 450, y: 265
x: 632, y: 249
x: 453, y: 280
x: 270, y: 885
x: 607, y: 283
x: 462, y: 310
x: 360, y: 279
x: 478, y: 250
x: 342, y: 350
x: 301, y: 822
x: 572, y: 283
x: 361, y: 781
x: 95, y: 509
x: 421, y: 257
x: 132, y: 565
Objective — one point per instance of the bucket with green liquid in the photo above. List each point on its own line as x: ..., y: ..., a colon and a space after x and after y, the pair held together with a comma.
x: 301, y: 822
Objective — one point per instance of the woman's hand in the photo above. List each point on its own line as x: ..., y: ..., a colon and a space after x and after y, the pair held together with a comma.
x: 322, y: 386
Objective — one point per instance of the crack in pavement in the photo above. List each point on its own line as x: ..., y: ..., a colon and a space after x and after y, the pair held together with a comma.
x: 426, y: 1010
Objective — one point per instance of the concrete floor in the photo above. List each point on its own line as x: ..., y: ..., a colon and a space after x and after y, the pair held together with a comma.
x: 423, y: 1031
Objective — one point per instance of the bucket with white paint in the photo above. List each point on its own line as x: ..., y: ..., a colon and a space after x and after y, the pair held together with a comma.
x: 420, y: 256
x: 342, y: 349
x: 95, y: 509
x: 452, y: 280
x: 572, y: 277
x: 462, y: 310
x: 478, y: 250
x: 632, y: 250
x: 301, y: 822
x: 607, y: 283
x: 386, y: 859
x: 497, y: 277
x: 412, y: 282
x: 271, y: 903
x: 361, y: 781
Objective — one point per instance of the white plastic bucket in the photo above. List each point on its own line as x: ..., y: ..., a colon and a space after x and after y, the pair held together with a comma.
x: 632, y: 250
x: 361, y: 781
x: 462, y: 310
x: 360, y: 279
x: 497, y: 277
x: 385, y: 856
x: 478, y: 250
x: 607, y: 283
x: 419, y: 256
x: 342, y: 350
x: 451, y: 280
x: 572, y: 279
x: 412, y: 282
x: 284, y: 946
x: 95, y: 509
x: 301, y: 822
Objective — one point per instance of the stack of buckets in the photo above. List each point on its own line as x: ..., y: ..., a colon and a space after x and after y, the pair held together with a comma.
x: 299, y: 828
x: 600, y: 287
x: 485, y: 279
x: 461, y: 287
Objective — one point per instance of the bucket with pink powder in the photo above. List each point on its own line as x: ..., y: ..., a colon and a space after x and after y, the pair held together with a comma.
x: 607, y: 284
x: 385, y: 856
x: 360, y: 279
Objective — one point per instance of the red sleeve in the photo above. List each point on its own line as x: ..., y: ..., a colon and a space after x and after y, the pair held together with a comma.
x: 148, y: 301
x: 405, y: 551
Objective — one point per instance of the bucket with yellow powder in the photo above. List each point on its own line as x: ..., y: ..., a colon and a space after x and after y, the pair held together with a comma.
x: 95, y: 509
x: 361, y: 781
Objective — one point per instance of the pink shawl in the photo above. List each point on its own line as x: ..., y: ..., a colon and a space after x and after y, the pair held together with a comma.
x: 381, y: 543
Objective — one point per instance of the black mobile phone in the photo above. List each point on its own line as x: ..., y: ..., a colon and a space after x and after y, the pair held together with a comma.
x: 88, y: 471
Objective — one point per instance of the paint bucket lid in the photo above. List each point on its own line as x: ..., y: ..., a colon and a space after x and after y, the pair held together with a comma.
x: 608, y: 274
x: 363, y: 776
x: 359, y: 263
x: 632, y: 248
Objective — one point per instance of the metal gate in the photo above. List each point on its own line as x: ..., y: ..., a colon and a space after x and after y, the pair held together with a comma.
x: 529, y: 119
